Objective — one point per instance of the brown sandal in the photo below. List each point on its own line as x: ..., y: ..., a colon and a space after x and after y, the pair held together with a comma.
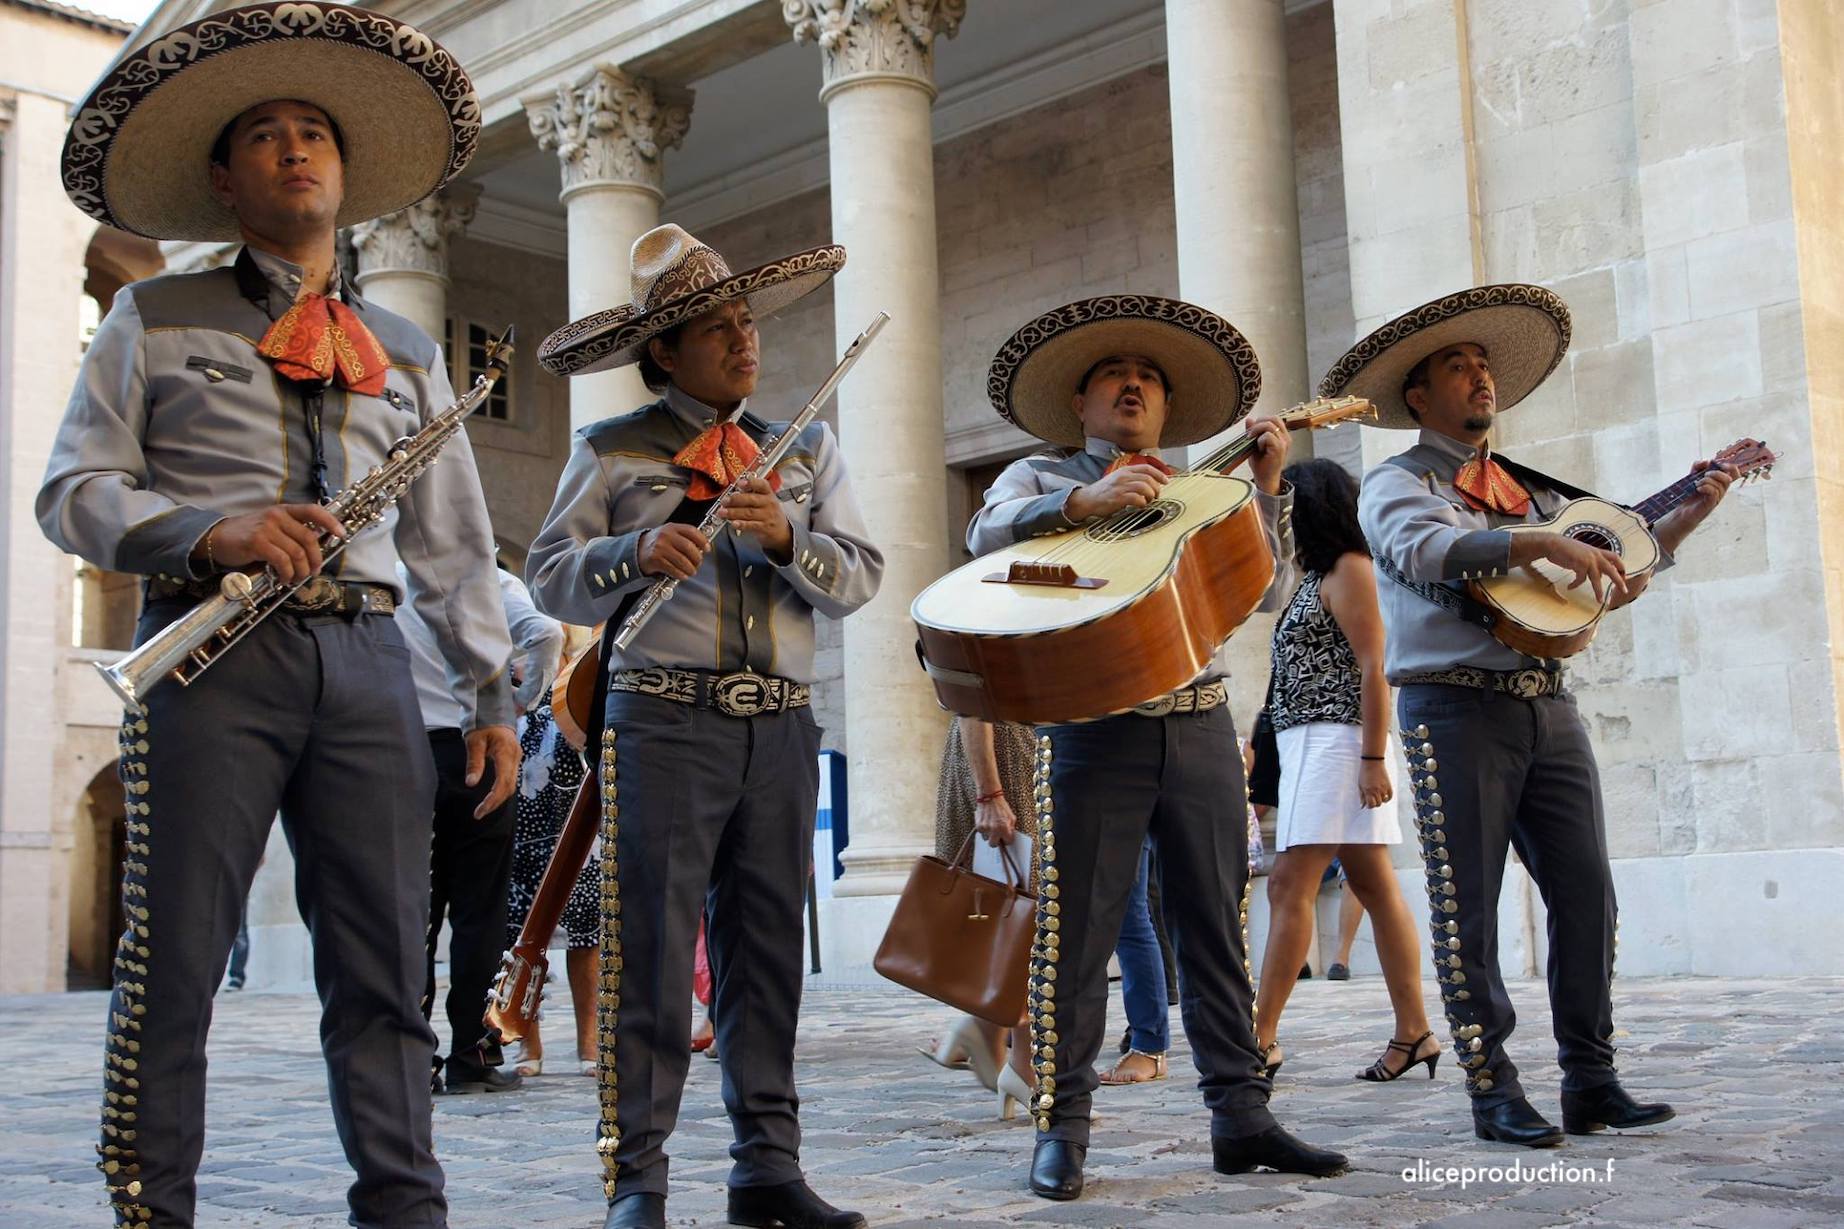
x: 1119, y: 1075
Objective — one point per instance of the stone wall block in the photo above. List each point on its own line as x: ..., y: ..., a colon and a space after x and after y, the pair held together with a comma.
x: 1614, y: 384
x: 1725, y: 795
x: 1667, y: 285
x: 1735, y: 713
x: 1706, y: 362
x: 1675, y: 38
x: 1756, y: 266
x: 1593, y: 308
x: 1677, y: 816
x: 1593, y: 226
x: 1403, y: 49
x: 1683, y: 114
x: 1764, y: 170
x: 1701, y: 193
x: 1629, y: 793
x: 1574, y: 78
x: 1501, y: 31
x: 1801, y: 802
x: 1627, y: 454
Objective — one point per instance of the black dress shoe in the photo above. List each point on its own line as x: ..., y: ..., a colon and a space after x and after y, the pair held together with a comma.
x: 465, y: 1073
x: 640, y: 1210
x: 792, y: 1204
x: 1516, y: 1122
x: 1277, y: 1150
x: 1056, y: 1169
x: 1609, y: 1106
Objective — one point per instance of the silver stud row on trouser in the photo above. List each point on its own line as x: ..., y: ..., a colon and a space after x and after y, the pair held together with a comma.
x: 608, y: 986
x: 1045, y: 945
x: 1443, y: 905
x: 118, y: 1157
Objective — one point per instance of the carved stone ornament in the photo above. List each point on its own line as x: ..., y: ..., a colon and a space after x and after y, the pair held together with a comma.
x: 610, y: 128
x: 415, y: 239
x: 874, y: 36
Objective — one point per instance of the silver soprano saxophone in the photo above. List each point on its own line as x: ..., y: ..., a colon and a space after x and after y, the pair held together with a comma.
x: 187, y: 647
x: 765, y: 462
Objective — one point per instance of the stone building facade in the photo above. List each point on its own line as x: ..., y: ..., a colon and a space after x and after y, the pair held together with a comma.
x: 1306, y: 168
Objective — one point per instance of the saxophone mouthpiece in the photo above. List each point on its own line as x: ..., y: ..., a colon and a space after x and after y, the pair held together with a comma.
x: 499, y: 351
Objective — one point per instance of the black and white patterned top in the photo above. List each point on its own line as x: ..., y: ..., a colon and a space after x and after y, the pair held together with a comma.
x: 1315, y: 672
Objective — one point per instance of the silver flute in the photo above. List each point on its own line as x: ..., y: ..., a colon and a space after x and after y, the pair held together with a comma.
x: 765, y: 462
x: 188, y: 646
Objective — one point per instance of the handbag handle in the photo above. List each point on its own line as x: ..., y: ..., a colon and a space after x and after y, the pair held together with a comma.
x: 1014, y: 878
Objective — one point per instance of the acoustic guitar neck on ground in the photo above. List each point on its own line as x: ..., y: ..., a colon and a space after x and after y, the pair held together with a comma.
x: 1540, y: 609
x: 1097, y: 619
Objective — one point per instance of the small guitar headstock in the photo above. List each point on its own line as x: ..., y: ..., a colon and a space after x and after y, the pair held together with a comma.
x: 1328, y: 412
x: 1750, y: 457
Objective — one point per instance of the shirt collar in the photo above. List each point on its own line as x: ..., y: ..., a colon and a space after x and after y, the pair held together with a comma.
x: 286, y: 276
x: 1108, y: 451
x: 1448, y: 446
x: 693, y: 412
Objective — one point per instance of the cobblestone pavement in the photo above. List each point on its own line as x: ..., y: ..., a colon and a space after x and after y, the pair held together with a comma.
x: 1753, y: 1067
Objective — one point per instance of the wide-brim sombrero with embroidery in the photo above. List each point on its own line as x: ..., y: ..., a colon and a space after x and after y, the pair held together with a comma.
x: 1523, y: 329
x: 1212, y: 375
x: 138, y: 152
x: 676, y: 278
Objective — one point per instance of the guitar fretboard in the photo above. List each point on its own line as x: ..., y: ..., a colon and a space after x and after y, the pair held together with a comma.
x: 1663, y: 502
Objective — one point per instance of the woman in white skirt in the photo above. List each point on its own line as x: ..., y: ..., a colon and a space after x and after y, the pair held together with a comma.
x: 1331, y: 712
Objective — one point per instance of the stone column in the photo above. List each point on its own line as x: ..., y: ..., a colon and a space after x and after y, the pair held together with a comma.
x: 878, y: 89
x: 403, y: 256
x: 610, y: 131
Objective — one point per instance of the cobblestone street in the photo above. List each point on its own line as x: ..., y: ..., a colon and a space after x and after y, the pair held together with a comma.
x: 1753, y: 1068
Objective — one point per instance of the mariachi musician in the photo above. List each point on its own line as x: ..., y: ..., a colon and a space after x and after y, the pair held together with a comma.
x: 1498, y: 751
x: 1111, y: 381
x: 707, y: 709
x: 213, y: 415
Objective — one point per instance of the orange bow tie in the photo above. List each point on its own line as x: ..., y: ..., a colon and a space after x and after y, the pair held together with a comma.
x: 1138, y: 458
x: 718, y: 454
x: 320, y: 338
x: 1488, y: 486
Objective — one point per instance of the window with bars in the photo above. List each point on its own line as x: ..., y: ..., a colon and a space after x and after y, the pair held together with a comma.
x: 468, y: 363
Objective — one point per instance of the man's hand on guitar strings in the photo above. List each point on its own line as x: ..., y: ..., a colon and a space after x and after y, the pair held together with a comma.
x: 1130, y: 486
x: 1674, y: 527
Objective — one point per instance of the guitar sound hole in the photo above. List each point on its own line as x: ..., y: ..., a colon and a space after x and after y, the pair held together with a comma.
x: 1597, y: 536
x: 1131, y: 524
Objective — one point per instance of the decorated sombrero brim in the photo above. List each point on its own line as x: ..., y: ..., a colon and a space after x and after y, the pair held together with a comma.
x: 139, y: 146
x: 617, y: 336
x: 1209, y: 365
x: 1523, y: 329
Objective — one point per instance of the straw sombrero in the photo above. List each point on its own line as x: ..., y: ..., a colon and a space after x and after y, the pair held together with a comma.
x: 675, y: 279
x: 1523, y: 329
x: 139, y: 148
x: 1209, y: 366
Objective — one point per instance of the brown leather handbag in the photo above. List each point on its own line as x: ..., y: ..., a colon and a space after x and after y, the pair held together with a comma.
x: 961, y: 938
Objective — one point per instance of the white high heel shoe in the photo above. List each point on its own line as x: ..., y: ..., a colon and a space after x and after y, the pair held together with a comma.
x: 965, y: 1049
x: 1013, y: 1092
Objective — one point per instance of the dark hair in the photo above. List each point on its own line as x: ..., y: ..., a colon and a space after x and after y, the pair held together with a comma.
x: 1418, y: 377
x: 220, y: 148
x: 1165, y: 381
x: 655, y: 377
x: 1324, y: 514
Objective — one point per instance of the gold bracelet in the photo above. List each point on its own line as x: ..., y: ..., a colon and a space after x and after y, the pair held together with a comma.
x: 211, y: 564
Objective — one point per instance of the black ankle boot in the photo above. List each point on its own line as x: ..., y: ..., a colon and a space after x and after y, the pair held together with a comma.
x: 1609, y: 1106
x: 1515, y: 1122
x: 792, y: 1204
x: 640, y: 1210
x: 1274, y: 1149
x: 1056, y: 1169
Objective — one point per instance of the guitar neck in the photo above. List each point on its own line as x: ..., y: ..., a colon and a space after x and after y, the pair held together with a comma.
x: 1225, y: 458
x: 1657, y: 506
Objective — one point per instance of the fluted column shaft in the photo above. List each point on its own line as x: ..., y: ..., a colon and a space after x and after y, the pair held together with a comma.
x: 610, y: 131
x: 403, y: 256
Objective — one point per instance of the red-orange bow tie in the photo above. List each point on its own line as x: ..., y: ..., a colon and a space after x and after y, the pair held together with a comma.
x: 1488, y: 486
x: 718, y: 454
x: 321, y: 338
x: 1138, y: 458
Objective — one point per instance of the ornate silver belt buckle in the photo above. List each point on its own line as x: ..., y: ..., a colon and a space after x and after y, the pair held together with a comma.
x: 1164, y: 706
x: 318, y: 593
x: 741, y: 695
x: 1528, y: 684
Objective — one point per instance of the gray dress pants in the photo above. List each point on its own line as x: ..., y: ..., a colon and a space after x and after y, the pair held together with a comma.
x: 1490, y: 771
x: 716, y: 818
x: 1178, y: 778
x: 314, y: 717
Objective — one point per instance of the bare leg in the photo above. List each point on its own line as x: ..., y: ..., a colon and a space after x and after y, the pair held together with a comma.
x: 580, y: 963
x: 1350, y: 917
x: 1293, y: 883
x: 1370, y: 877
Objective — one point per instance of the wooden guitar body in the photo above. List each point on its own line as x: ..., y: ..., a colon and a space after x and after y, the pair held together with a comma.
x: 1093, y: 621
x: 1537, y: 612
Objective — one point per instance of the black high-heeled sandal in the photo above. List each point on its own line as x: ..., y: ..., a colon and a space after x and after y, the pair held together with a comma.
x: 1269, y: 1068
x: 1377, y: 1073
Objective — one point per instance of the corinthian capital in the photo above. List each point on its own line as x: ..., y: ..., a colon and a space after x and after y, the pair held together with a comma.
x: 415, y: 240
x: 881, y: 37
x: 610, y: 128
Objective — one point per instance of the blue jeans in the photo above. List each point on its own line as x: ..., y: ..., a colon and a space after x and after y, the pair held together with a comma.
x: 1142, y: 969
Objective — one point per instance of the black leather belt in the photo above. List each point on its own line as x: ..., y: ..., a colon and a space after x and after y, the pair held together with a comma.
x: 317, y: 595
x: 1530, y: 684
x: 743, y: 694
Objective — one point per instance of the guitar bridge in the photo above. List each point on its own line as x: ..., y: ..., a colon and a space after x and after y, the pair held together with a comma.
x: 1050, y: 575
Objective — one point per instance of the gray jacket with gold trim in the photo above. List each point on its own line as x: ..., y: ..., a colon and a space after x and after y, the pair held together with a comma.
x: 739, y: 610
x: 1028, y: 499
x: 176, y: 422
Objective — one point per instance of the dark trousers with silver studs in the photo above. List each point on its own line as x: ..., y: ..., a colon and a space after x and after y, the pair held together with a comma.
x: 1110, y: 784
x: 315, y: 718
x: 711, y: 815
x: 1493, y: 771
